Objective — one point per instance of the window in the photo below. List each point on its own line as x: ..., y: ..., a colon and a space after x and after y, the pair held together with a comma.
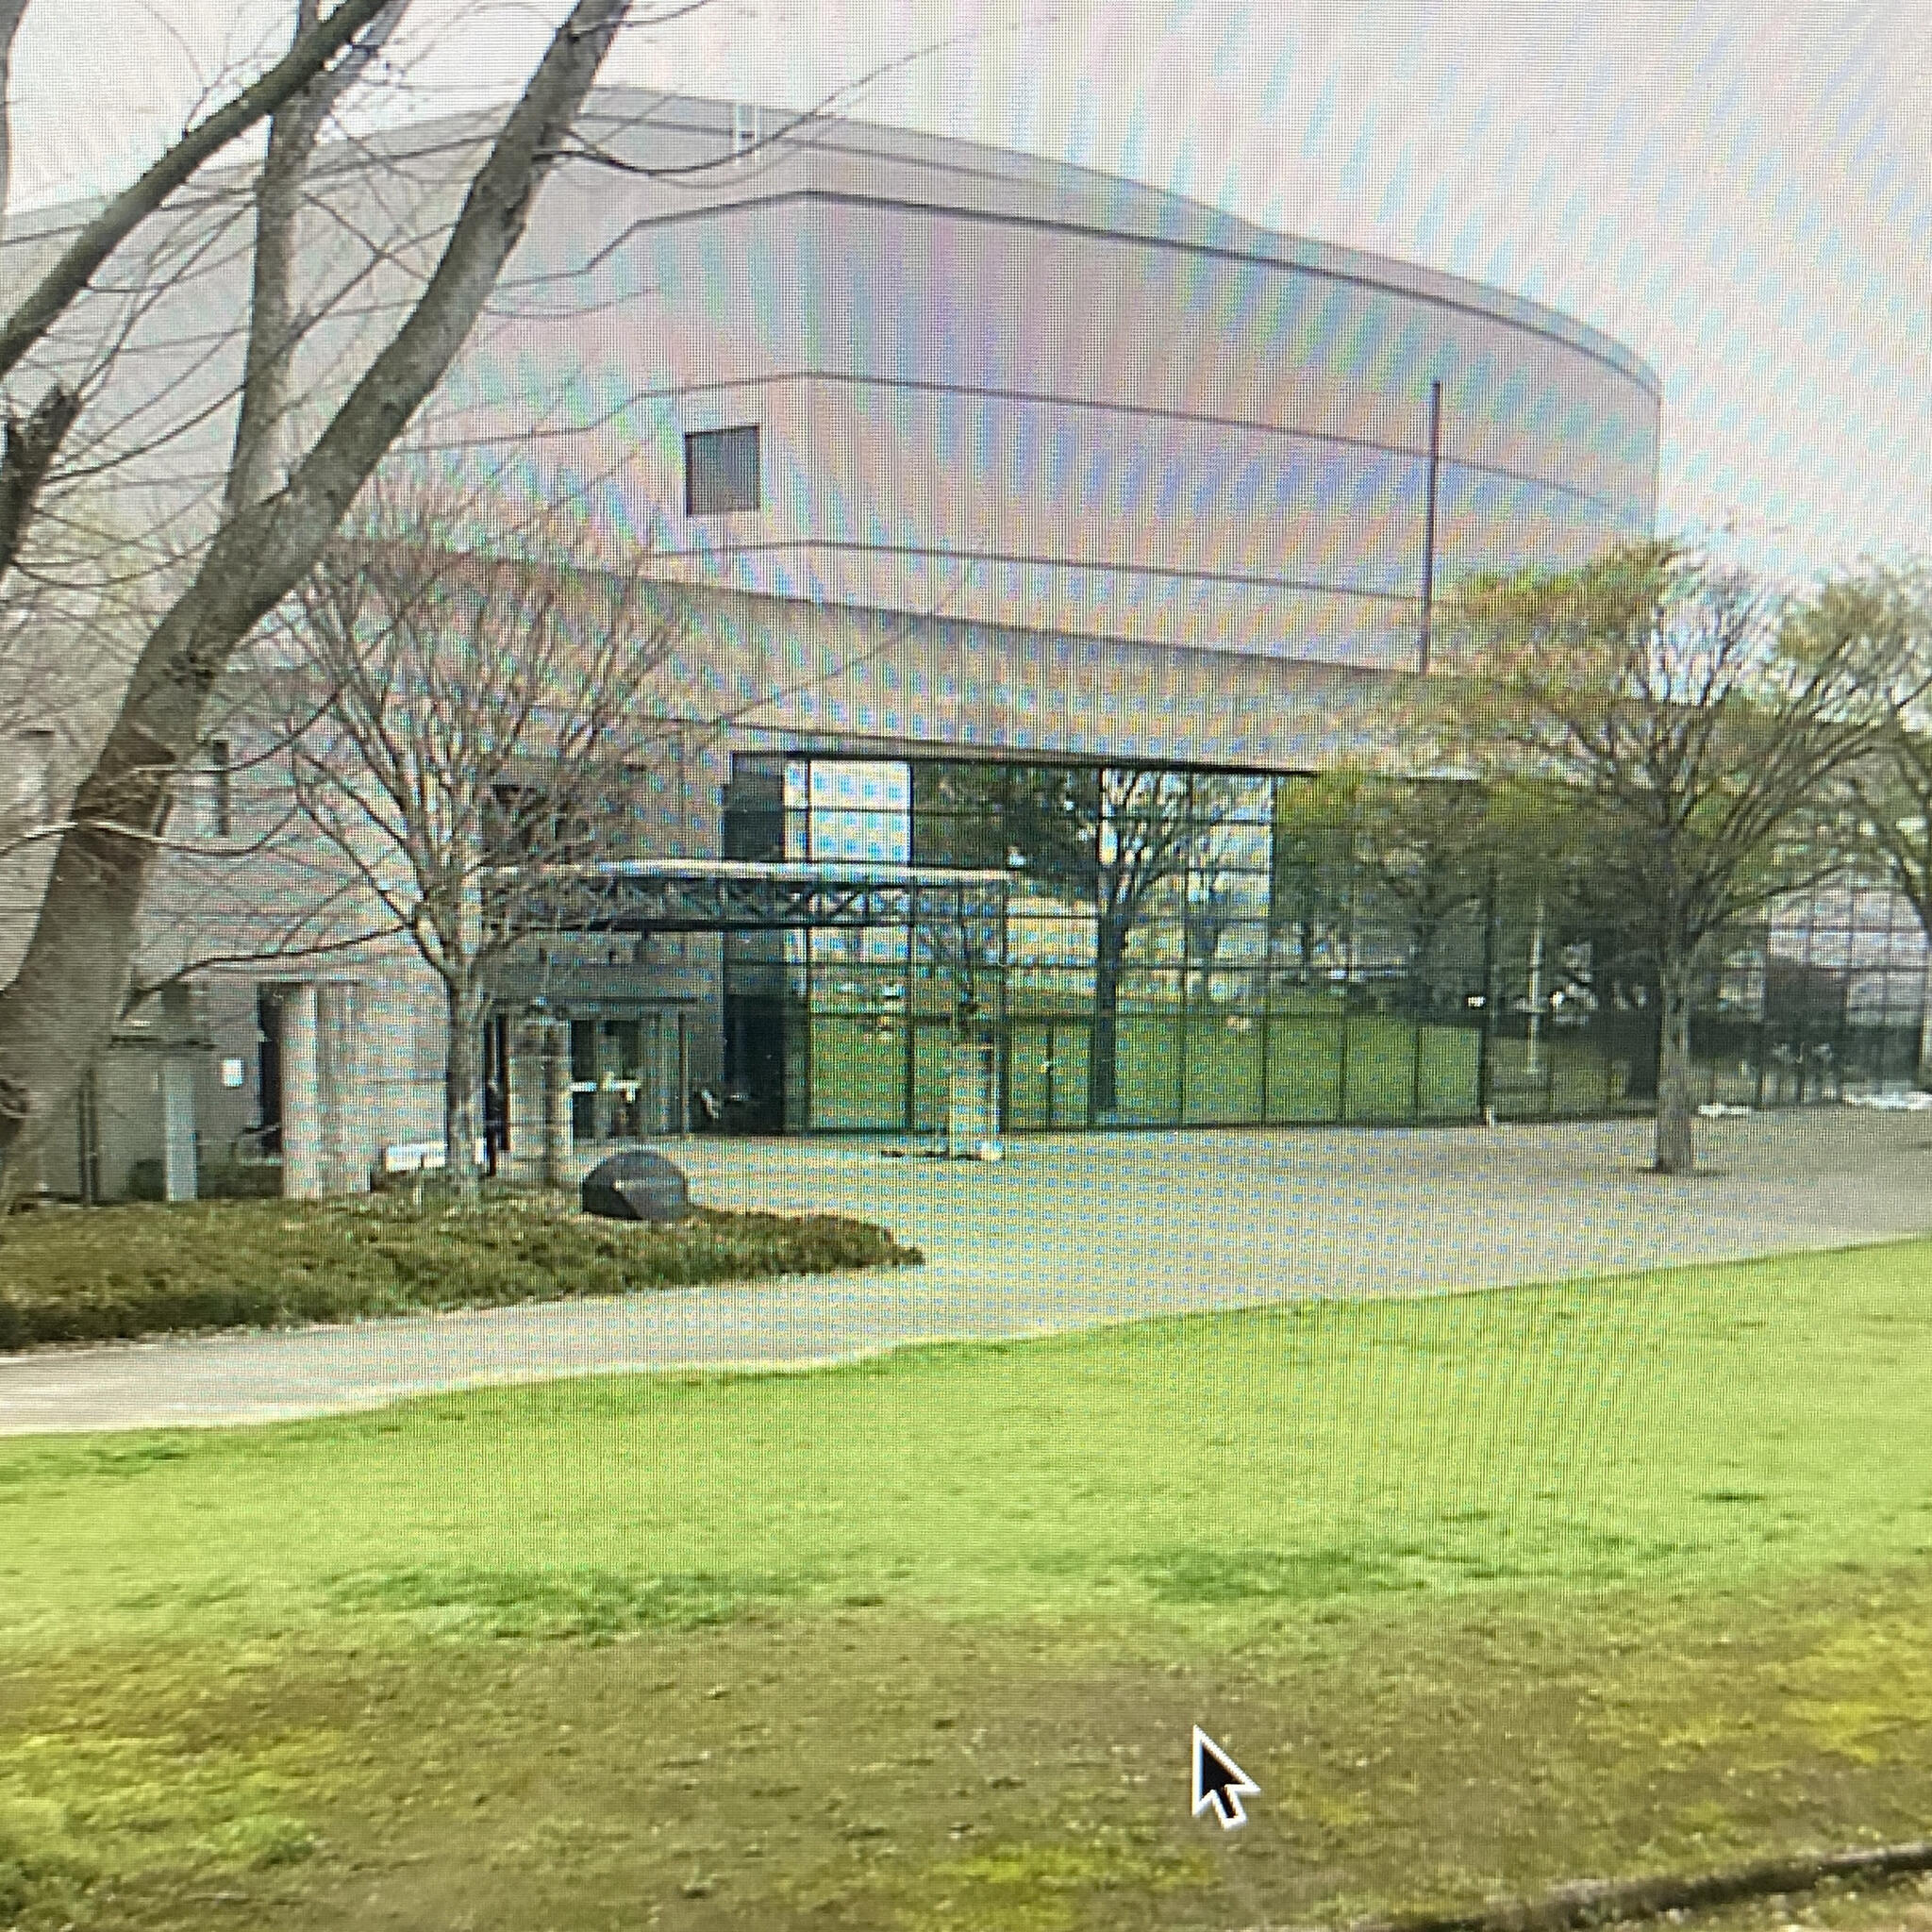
x: 861, y: 809
x: 720, y: 471
x: 220, y: 788
x: 523, y: 824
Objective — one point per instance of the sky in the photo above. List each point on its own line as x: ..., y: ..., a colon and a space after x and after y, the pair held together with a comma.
x: 1740, y: 190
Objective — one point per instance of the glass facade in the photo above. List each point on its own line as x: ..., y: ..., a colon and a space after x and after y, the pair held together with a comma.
x: 1211, y: 947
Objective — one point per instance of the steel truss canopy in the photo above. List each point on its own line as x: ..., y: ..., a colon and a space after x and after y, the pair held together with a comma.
x: 694, y: 896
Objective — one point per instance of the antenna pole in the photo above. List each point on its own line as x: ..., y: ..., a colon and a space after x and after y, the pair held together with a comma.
x: 1429, y: 524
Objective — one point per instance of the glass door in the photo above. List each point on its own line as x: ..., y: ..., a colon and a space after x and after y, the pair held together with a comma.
x: 613, y: 1083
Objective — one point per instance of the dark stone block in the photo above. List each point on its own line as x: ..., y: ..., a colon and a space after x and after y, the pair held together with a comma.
x: 637, y: 1186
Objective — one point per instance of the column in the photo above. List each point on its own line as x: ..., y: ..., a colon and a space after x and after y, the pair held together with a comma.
x: 178, y: 1176
x: 344, y: 1112
x: 302, y: 1135
x: 557, y: 1145
x: 540, y: 1132
x: 526, y: 1105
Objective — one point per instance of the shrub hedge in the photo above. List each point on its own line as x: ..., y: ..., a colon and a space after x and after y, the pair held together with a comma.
x: 111, y: 1273
x: 216, y: 1180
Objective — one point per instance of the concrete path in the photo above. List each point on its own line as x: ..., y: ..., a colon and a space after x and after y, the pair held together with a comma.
x: 1069, y: 1232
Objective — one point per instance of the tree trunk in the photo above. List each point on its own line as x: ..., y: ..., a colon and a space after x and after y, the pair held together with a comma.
x: 1639, y: 1025
x: 11, y: 14
x: 463, y: 1084
x: 294, y: 131
x: 26, y: 457
x: 1103, y: 1088
x: 1675, y: 1152
x: 271, y: 317
x: 59, y: 1010
x: 1422, y: 967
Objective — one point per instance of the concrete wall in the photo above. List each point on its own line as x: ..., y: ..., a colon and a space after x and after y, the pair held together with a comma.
x: 1048, y: 400
x: 826, y: 676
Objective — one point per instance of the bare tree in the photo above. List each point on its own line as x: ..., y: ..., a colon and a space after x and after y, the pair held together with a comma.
x: 277, y: 515
x: 462, y: 725
x: 33, y: 441
x: 1699, y: 736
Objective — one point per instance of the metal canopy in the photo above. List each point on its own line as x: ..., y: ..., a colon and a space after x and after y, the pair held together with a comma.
x: 653, y: 895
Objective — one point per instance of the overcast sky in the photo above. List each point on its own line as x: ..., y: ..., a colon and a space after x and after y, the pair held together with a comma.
x: 1741, y: 191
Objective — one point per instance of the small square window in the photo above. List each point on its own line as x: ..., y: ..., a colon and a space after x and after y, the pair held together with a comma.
x: 720, y: 471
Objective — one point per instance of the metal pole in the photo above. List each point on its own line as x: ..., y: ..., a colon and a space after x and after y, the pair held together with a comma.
x: 1485, y: 1068
x: 1429, y: 524
x: 1532, y: 1058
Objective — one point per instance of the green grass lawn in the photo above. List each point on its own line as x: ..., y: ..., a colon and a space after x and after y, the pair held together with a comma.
x: 1487, y: 1591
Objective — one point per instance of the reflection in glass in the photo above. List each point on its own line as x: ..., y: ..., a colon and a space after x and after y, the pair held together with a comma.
x: 1213, y: 946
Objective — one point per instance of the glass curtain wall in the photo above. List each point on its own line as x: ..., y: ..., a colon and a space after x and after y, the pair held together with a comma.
x: 1825, y: 1001
x: 1198, y: 947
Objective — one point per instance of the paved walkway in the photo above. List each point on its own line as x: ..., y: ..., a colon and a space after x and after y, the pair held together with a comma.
x: 1069, y: 1232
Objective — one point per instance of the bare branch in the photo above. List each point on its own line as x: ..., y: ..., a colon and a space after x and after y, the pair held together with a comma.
x: 99, y: 237
x: 783, y: 135
x: 72, y: 979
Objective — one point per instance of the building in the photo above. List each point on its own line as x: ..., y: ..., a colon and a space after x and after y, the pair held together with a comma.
x: 1030, y: 520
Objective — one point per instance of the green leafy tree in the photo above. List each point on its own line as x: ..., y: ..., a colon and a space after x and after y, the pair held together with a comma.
x: 1702, y: 729
x: 1889, y: 795
x: 1114, y: 840
x: 1428, y: 850
x: 1312, y: 883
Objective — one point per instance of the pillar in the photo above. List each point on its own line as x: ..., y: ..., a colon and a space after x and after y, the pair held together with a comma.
x: 302, y: 1132
x: 557, y: 1097
x: 345, y: 1126
x: 178, y: 1176
x: 540, y: 1132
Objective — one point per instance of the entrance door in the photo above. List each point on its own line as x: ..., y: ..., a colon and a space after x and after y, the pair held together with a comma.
x: 268, y: 1025
x: 755, y: 1061
x: 1046, y: 1074
x: 613, y: 1082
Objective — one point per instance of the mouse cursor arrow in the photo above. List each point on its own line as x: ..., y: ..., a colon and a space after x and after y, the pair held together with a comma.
x: 1221, y: 1782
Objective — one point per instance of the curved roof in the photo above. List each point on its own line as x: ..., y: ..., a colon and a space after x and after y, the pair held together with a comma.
x: 831, y: 156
